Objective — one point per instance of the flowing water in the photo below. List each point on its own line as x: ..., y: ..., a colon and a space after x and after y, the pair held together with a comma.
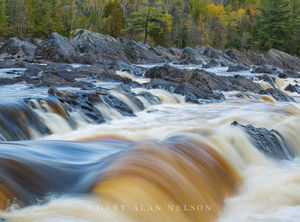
x: 173, y: 161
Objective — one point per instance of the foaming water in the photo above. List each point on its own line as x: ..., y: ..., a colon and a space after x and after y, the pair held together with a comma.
x: 169, y: 161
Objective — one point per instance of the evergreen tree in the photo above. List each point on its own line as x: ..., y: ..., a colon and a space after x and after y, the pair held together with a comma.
x: 3, y: 19
x: 113, y: 20
x: 273, y: 25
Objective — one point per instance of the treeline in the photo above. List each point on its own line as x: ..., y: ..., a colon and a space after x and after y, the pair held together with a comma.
x: 240, y: 24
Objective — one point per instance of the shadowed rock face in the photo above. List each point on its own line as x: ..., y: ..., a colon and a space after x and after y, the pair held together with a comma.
x: 18, y: 48
x: 283, y: 60
x: 197, y: 84
x: 270, y: 142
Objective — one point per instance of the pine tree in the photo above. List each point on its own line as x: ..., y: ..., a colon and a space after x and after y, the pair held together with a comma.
x: 3, y: 19
x: 273, y: 25
x: 113, y: 20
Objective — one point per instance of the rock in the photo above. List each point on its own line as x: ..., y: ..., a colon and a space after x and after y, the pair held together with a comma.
x: 237, y: 68
x: 57, y: 48
x: 165, y: 53
x: 283, y: 60
x: 257, y: 58
x: 237, y: 57
x: 81, y: 101
x: 18, y: 48
x: 293, y: 88
x: 175, y: 51
x: 93, y: 47
x: 125, y: 67
x: 265, y: 69
x: 211, y: 64
x: 201, y: 79
x: 140, y: 53
x: 191, y: 56
x: 118, y: 105
x: 270, y: 142
x: 278, y: 95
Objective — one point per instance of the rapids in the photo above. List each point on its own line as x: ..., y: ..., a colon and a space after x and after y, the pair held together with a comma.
x: 170, y: 161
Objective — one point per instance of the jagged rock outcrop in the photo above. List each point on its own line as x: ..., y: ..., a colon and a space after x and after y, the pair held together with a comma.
x: 140, y: 53
x: 270, y: 142
x: 283, y: 60
x: 18, y: 48
x: 200, y: 83
x: 92, y: 47
x: 57, y: 48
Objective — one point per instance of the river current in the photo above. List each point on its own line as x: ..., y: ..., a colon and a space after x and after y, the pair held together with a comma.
x: 173, y: 161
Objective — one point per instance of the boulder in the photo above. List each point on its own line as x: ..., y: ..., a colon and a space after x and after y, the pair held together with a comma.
x: 270, y: 142
x: 256, y: 58
x: 165, y: 53
x: 293, y: 88
x: 267, y: 69
x: 93, y: 47
x: 18, y: 48
x: 140, y: 53
x: 283, y: 60
x: 191, y: 56
x: 57, y: 48
x: 237, y: 68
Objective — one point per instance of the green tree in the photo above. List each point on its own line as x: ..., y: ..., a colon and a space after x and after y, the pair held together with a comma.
x: 113, y: 20
x: 4, y: 30
x: 273, y: 25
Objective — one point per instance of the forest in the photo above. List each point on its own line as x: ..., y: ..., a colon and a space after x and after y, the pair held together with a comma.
x: 241, y: 24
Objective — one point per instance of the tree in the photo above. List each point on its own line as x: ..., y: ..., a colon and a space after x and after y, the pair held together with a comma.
x: 273, y: 25
x: 295, y: 27
x: 113, y: 20
x: 3, y: 19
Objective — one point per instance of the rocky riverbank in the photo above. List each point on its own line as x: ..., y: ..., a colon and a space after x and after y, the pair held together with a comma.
x: 74, y: 72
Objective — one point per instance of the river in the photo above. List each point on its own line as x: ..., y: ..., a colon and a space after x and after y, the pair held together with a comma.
x: 173, y: 161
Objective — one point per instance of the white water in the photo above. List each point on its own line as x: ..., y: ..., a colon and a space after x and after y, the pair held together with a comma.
x: 270, y: 190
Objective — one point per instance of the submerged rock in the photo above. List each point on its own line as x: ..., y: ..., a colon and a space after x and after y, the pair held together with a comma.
x: 293, y: 88
x: 277, y: 94
x: 270, y: 142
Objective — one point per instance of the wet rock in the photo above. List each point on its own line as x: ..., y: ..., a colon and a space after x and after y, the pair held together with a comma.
x: 92, y: 47
x: 83, y: 101
x: 270, y: 142
x: 212, y: 63
x: 118, y: 105
x: 278, y: 95
x: 293, y: 88
x: 265, y: 69
x: 170, y: 78
x: 57, y: 48
x: 140, y: 53
x: 125, y: 67
x: 151, y: 99
x: 237, y: 68
x: 283, y: 60
x: 18, y: 48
